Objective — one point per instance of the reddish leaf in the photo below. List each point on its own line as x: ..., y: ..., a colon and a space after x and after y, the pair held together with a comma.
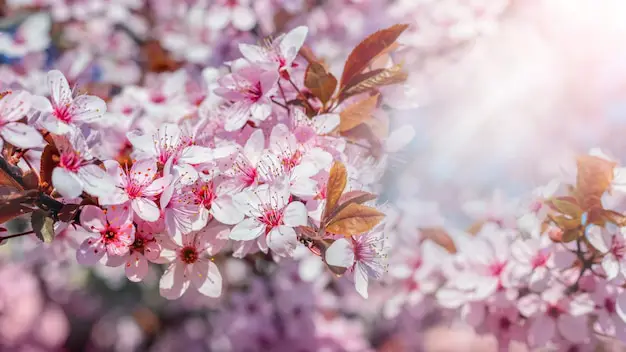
x: 16, y: 204
x: 592, y: 180
x: 321, y: 83
x: 366, y: 51
x: 308, y: 55
x: 6, y: 179
x: 374, y: 79
x: 440, y: 237
x: 355, y: 219
x: 49, y: 160
x: 364, y: 132
x: 337, y: 181
x: 357, y: 113
x: 356, y: 197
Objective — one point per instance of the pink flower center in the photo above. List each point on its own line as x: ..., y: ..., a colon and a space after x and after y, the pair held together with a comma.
x: 158, y: 98
x: 609, y: 305
x: 271, y: 218
x: 62, y: 113
x: 618, y: 248
x: 70, y: 161
x: 247, y: 173
x: 204, y: 195
x: 539, y: 260
x: 134, y: 189
x: 292, y: 161
x: 232, y: 3
x: 254, y: 92
x: 188, y: 255
x: 495, y: 269
x: 504, y: 323
x: 110, y: 235
x: 554, y: 311
x: 127, y: 110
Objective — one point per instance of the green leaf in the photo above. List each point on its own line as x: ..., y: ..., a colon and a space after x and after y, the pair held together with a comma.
x: 43, y: 226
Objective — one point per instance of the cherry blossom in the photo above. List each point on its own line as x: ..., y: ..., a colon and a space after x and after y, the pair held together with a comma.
x: 115, y: 233
x: 270, y: 214
x: 62, y: 111
x: 249, y: 89
x: 235, y: 12
x: 138, y: 185
x: 13, y: 107
x: 189, y: 265
x: 281, y: 52
x: 364, y: 255
x: 76, y: 170
x: 552, y: 312
x: 612, y: 243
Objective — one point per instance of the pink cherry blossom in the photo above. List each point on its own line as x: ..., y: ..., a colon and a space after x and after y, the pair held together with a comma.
x: 115, y: 232
x: 76, y: 170
x: 611, y: 242
x: 215, y: 201
x: 269, y: 213
x: 138, y: 185
x: 553, y: 312
x: 235, y: 12
x: 31, y: 36
x: 62, y: 111
x: 281, y: 52
x: 189, y: 264
x: 179, y: 210
x: 364, y: 255
x: 143, y: 249
x: 249, y: 89
x: 13, y: 107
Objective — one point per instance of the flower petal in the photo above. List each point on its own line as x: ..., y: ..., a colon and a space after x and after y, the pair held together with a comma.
x: 92, y: 218
x: 282, y: 240
x: 136, y: 267
x: 146, y: 209
x: 173, y: 283
x: 21, y: 135
x: 206, y: 278
x: 295, y: 214
x: 90, y: 251
x: 66, y: 183
x: 340, y: 253
x: 247, y: 230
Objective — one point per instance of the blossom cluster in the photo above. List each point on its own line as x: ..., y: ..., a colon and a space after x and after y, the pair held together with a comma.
x: 240, y: 171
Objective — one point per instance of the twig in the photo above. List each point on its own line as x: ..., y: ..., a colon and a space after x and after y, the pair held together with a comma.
x: 16, y: 235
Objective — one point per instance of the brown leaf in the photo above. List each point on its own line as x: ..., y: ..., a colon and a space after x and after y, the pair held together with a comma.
x: 359, y: 197
x: 374, y: 79
x: 354, y: 219
x: 357, y: 113
x: 308, y: 54
x: 566, y: 223
x: 157, y: 59
x: 570, y: 235
x: 16, y: 204
x: 440, y: 237
x: 337, y: 181
x: 366, y: 51
x: 7, y: 180
x: 364, y: 132
x: 593, y: 179
x: 566, y: 205
x: 321, y: 83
